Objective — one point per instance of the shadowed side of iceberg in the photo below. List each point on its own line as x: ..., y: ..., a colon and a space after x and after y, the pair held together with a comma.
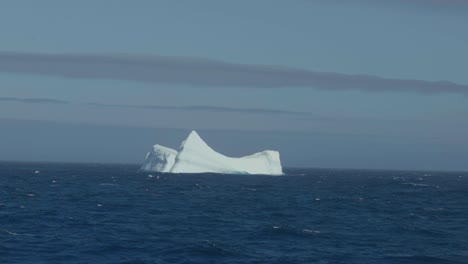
x: 160, y: 159
x: 195, y: 156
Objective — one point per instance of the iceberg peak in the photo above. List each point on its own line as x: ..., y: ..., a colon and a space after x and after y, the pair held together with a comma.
x: 194, y: 141
x: 195, y: 156
x: 194, y: 134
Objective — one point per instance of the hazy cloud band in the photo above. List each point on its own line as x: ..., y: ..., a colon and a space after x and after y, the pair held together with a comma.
x: 206, y: 108
x: 205, y: 72
x: 32, y: 100
x: 198, y: 108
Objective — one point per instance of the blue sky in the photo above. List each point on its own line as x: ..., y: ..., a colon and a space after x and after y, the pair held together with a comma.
x: 240, y: 67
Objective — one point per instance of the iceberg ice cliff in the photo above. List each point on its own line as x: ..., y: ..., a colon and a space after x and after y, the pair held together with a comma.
x: 195, y: 156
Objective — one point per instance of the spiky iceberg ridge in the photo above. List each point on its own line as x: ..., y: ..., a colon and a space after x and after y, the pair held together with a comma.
x: 195, y: 156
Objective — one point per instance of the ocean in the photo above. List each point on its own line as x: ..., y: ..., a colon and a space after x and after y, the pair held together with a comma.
x: 102, y: 213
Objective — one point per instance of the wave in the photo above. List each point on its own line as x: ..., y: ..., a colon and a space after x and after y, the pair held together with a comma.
x: 424, y: 259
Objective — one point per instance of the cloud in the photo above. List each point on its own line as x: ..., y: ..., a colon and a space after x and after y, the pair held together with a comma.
x: 438, y: 3
x: 197, y: 108
x: 443, y: 5
x: 33, y: 100
x: 206, y: 108
x: 206, y: 73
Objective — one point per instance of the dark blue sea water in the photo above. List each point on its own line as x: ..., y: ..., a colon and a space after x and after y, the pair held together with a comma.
x: 70, y: 213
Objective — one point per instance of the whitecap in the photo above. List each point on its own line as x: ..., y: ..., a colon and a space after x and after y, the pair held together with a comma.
x: 416, y: 184
x: 9, y: 232
x: 107, y: 184
x: 311, y: 231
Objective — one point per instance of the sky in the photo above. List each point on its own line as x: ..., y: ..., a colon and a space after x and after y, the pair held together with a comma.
x: 338, y: 84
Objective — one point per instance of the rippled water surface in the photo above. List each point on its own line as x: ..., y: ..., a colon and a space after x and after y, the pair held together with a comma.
x: 70, y: 213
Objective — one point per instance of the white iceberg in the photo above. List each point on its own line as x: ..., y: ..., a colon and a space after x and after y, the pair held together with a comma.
x: 195, y: 156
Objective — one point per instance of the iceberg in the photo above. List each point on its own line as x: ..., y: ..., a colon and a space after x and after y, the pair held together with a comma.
x: 195, y: 156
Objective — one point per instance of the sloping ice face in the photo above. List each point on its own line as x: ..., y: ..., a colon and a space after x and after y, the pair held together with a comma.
x: 159, y: 159
x: 195, y: 156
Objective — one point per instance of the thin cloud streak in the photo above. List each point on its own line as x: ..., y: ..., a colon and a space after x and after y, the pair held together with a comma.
x: 205, y: 108
x: 207, y: 73
x: 198, y: 108
x: 33, y: 100
x: 444, y: 4
x: 436, y: 5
